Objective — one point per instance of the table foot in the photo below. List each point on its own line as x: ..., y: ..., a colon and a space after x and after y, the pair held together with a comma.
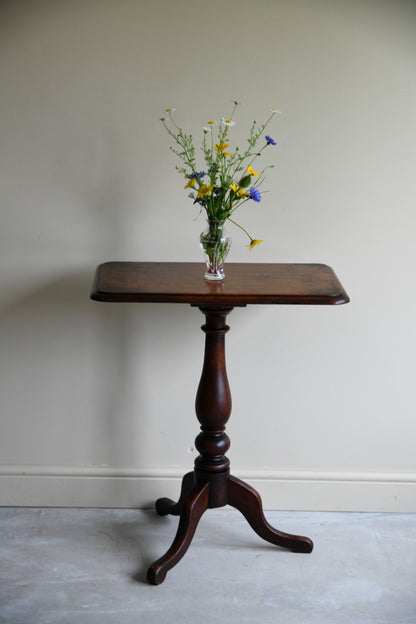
x: 192, y: 509
x: 245, y: 498
x: 165, y: 506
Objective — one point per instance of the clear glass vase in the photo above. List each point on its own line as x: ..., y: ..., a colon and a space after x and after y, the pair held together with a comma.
x: 215, y: 243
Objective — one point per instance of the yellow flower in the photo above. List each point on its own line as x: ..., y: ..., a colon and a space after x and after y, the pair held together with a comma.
x: 190, y: 183
x: 204, y: 190
x: 170, y: 110
x: 255, y: 242
x: 220, y: 147
x: 211, y: 123
x: 238, y: 191
x: 251, y: 171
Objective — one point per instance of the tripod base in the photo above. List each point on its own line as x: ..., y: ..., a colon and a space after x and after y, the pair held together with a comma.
x: 221, y: 489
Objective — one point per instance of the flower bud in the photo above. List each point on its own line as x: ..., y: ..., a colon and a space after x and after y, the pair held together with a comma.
x: 245, y: 181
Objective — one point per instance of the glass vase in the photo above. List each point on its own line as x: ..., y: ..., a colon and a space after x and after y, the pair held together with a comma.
x: 215, y: 243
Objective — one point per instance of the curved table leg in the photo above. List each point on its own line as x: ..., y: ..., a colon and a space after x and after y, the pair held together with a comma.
x: 245, y: 498
x: 192, y: 509
x: 165, y: 506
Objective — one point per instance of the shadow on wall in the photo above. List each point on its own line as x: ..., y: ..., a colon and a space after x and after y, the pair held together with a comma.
x: 74, y: 375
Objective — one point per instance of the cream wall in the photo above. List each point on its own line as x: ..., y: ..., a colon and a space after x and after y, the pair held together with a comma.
x: 97, y: 399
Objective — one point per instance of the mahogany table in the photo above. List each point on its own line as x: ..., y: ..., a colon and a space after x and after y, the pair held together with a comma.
x: 210, y: 484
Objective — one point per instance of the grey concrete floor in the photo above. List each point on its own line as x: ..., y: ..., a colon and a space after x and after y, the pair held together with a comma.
x: 88, y: 566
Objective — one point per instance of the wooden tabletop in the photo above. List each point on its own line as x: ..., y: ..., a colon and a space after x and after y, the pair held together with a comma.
x: 183, y: 282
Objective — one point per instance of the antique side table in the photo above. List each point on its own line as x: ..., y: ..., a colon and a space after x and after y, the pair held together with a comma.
x: 210, y: 484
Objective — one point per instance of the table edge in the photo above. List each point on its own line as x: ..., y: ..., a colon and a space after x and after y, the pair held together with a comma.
x: 234, y: 300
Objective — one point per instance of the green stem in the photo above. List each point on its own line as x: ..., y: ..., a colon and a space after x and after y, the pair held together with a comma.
x: 241, y: 228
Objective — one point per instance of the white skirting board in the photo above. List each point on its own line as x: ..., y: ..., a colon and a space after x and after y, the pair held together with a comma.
x: 66, y: 486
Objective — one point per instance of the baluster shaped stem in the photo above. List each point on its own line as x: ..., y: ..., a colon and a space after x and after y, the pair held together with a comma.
x: 213, y: 398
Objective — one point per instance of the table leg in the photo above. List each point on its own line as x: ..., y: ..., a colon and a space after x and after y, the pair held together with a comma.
x: 192, y: 509
x: 210, y: 485
x: 245, y: 498
x: 165, y: 506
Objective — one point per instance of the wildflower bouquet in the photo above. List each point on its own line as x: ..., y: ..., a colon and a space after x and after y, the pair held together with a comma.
x: 227, y: 180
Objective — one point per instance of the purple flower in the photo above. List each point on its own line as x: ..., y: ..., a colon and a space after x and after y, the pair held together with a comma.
x: 255, y: 195
x: 269, y: 140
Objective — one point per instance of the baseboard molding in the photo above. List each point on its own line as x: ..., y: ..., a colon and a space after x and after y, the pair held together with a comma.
x: 67, y: 486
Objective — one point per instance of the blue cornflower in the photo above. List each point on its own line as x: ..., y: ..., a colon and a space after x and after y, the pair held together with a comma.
x: 269, y: 140
x: 255, y: 195
x: 195, y: 175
